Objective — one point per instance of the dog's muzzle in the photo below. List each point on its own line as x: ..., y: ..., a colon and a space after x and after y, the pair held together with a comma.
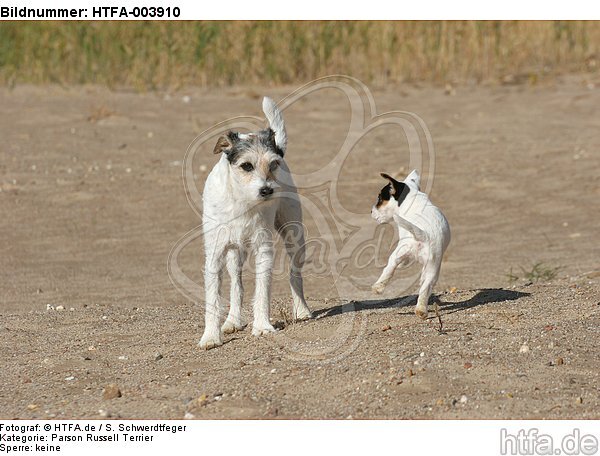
x: 265, y: 192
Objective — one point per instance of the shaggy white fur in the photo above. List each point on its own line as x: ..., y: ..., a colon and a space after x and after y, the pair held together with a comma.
x: 248, y: 197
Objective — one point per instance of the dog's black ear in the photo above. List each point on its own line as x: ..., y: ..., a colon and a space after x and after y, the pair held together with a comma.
x: 399, y: 189
x: 225, y: 143
x: 388, y: 177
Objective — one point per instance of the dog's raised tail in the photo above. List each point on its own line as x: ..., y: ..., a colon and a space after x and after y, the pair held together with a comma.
x: 276, y: 123
x: 414, y: 176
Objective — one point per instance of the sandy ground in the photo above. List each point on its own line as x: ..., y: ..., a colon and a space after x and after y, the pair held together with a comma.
x: 92, y: 202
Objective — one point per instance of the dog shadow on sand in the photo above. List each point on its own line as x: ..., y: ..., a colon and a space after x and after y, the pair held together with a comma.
x: 482, y: 297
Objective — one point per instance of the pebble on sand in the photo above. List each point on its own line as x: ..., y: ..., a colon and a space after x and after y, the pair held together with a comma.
x: 449, y: 90
x: 60, y: 308
x: 202, y: 400
x: 111, y: 391
x: 464, y: 399
x: 189, y: 416
x: 49, y: 307
x: 524, y: 348
x: 158, y: 357
x: 386, y: 328
x: 559, y: 361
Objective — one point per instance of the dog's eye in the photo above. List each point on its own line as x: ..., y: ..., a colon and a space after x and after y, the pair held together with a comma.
x: 274, y: 165
x: 247, y: 167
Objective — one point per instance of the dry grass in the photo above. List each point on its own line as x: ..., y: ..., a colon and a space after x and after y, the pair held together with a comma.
x: 151, y: 55
x: 98, y: 113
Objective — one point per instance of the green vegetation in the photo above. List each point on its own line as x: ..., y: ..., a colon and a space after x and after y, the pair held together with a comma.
x: 155, y: 55
x: 537, y: 272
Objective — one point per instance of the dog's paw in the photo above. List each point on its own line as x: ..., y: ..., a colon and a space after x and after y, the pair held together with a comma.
x: 209, y: 341
x: 421, y: 312
x: 303, y: 314
x: 378, y: 287
x: 229, y: 327
x: 261, y: 330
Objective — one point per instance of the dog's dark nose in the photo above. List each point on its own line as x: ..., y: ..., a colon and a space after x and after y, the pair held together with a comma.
x: 266, y: 191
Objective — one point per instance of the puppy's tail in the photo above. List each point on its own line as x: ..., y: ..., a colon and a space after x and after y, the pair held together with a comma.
x: 414, y: 176
x: 413, y: 229
x: 276, y: 123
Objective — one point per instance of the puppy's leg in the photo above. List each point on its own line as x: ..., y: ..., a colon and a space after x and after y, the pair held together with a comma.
x: 293, y: 238
x: 429, y: 277
x: 235, y: 260
x: 401, y: 255
x: 212, y: 283
x: 262, y: 296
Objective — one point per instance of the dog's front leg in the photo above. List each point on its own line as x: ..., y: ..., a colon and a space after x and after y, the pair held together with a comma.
x: 235, y: 261
x: 262, y: 296
x: 212, y: 284
x: 398, y: 256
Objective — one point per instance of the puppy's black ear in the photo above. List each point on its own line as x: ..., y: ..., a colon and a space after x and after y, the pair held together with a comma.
x: 388, y: 177
x: 399, y: 189
x: 225, y: 143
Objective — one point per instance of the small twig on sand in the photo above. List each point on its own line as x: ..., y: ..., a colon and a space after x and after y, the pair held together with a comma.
x: 436, y: 308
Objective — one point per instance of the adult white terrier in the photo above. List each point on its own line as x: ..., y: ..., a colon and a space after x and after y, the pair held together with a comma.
x: 423, y: 230
x: 248, y: 196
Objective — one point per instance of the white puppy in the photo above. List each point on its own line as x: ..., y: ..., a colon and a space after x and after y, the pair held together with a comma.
x: 248, y: 196
x: 423, y: 231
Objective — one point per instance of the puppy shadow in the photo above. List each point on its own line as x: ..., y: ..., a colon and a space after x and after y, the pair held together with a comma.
x: 482, y: 297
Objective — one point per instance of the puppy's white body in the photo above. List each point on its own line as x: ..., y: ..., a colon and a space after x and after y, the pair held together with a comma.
x: 238, y: 219
x: 424, y: 235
